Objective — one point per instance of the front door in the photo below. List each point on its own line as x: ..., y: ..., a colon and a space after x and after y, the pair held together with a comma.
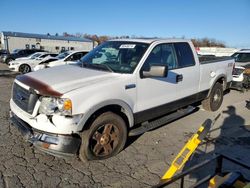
x: 154, y: 93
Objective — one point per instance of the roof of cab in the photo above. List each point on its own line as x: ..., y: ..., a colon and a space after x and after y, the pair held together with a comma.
x: 151, y: 40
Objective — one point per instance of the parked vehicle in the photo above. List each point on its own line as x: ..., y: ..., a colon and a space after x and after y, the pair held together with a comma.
x: 67, y: 57
x: 31, y: 56
x: 27, y: 64
x: 241, y: 78
x: 2, y: 54
x: 19, y: 53
x: 242, y: 58
x: 137, y: 85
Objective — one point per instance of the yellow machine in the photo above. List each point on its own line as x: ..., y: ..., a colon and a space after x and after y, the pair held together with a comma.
x: 187, y: 150
x: 215, y: 180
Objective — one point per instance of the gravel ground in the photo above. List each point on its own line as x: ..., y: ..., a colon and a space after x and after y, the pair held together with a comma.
x: 140, y: 164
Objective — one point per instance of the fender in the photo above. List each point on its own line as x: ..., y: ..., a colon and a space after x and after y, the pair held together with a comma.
x: 125, y: 109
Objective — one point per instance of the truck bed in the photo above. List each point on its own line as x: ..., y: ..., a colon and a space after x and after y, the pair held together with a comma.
x: 212, y: 59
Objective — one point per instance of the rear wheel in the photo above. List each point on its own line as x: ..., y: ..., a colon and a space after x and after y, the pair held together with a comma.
x: 215, y: 99
x: 24, y: 69
x: 105, y: 138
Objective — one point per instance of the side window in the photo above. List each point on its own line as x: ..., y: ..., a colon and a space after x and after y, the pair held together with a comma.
x: 184, y: 55
x: 76, y: 56
x: 162, y: 54
x: 243, y: 57
x: 28, y: 52
x: 43, y: 56
x: 21, y: 52
x: 79, y: 55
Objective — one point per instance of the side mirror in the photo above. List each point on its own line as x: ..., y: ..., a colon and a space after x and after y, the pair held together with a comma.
x: 156, y: 71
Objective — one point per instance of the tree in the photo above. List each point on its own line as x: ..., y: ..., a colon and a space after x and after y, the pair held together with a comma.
x: 206, y: 42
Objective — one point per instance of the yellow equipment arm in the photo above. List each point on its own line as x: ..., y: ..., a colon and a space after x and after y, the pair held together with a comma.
x: 187, y: 150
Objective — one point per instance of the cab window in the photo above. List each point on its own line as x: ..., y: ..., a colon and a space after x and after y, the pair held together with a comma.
x: 162, y: 54
x: 184, y: 54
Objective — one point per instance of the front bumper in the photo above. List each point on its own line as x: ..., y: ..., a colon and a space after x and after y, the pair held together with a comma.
x: 54, y: 144
x: 14, y: 68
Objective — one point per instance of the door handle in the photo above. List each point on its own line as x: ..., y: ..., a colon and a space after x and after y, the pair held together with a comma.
x: 179, y: 78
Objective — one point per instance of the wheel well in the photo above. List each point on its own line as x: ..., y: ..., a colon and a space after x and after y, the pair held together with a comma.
x: 9, y: 59
x: 222, y: 81
x: 117, y: 109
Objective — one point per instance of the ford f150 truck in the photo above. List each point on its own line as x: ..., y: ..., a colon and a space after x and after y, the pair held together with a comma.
x: 119, y: 89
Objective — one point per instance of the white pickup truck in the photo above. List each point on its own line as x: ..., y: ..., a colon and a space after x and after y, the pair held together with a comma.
x: 121, y: 88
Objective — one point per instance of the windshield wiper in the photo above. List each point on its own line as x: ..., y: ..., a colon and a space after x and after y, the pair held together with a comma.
x: 98, y: 66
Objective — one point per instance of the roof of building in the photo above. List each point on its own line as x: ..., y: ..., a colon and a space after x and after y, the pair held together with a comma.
x: 42, y: 36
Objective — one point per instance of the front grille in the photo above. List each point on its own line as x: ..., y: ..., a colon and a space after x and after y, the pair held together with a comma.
x: 23, y: 98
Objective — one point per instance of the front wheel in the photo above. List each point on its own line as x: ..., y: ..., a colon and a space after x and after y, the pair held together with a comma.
x: 215, y: 99
x: 105, y: 138
x: 24, y: 69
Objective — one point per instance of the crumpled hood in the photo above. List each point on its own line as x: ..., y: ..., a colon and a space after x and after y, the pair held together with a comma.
x: 59, y: 80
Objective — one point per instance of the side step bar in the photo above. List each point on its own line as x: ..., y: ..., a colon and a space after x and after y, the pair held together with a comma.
x: 147, y: 126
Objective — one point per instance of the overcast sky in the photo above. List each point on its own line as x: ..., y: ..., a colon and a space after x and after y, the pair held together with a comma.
x: 224, y: 20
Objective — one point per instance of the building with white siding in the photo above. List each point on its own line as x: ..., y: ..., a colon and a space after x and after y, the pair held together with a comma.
x: 53, y: 43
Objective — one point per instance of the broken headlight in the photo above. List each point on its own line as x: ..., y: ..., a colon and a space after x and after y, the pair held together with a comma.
x: 52, y: 105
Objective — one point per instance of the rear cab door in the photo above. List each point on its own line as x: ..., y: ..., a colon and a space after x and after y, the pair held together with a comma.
x: 187, y: 72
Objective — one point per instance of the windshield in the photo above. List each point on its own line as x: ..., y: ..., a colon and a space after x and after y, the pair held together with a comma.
x: 33, y: 56
x: 62, y: 55
x: 115, y: 56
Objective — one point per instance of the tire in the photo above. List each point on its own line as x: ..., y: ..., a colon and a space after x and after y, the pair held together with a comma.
x: 215, y: 99
x: 8, y: 60
x: 105, y: 138
x: 24, y: 68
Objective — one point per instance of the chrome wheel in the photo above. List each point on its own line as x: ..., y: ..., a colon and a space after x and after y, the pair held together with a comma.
x: 216, y: 100
x: 105, y: 140
x: 24, y: 69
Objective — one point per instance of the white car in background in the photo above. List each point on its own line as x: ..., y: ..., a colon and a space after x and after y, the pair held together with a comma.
x: 242, y: 58
x: 241, y: 78
x: 25, y: 65
x: 31, y: 56
x: 64, y: 58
